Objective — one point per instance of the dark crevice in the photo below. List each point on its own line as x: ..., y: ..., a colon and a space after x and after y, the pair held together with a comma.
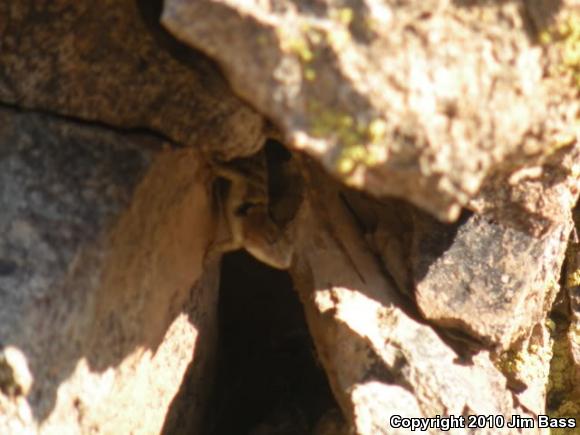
x: 268, y: 380
x: 93, y: 124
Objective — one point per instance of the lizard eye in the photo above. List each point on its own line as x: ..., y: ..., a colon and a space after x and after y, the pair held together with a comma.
x: 244, y: 208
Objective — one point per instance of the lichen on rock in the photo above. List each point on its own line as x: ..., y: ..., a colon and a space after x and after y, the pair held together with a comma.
x: 420, y: 161
x: 446, y: 99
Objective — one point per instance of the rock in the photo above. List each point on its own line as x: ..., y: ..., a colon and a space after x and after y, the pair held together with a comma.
x: 574, y: 341
x: 481, y: 281
x: 331, y: 423
x: 534, y: 199
x: 112, y: 63
x: 482, y: 278
x: 438, y: 103
x: 381, y: 361
x: 109, y: 129
x: 574, y: 295
x: 537, y: 196
x: 567, y: 367
x: 101, y: 280
x: 526, y: 366
x: 563, y: 395
x: 15, y: 377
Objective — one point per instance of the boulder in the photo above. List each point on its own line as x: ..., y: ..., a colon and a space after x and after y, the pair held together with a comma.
x: 105, y: 300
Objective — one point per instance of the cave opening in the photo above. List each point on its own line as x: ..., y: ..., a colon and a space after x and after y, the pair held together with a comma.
x: 268, y: 380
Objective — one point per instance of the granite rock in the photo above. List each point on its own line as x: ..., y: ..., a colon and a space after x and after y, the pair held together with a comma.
x: 105, y: 302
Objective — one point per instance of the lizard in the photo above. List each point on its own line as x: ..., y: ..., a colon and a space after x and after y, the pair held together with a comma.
x: 245, y: 205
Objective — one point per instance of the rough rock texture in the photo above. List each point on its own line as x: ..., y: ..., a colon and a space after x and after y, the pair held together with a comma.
x: 574, y: 328
x: 573, y: 290
x: 109, y: 135
x: 447, y: 269
x: 526, y: 366
x: 564, y: 387
x: 431, y: 101
x: 536, y: 198
x: 101, y: 242
x: 100, y: 61
x: 488, y: 282
x: 379, y: 359
x: 485, y: 279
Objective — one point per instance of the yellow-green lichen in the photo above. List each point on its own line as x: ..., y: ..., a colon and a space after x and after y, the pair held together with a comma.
x: 327, y: 122
x: 298, y: 46
x: 560, y: 380
x: 563, y: 400
x: 309, y: 74
x: 573, y: 268
x: 369, y: 151
x: 568, y: 409
x: 306, y: 39
x: 573, y: 278
x: 551, y: 325
x: 527, y: 364
x: 343, y: 15
x: 566, y: 36
x: 303, y: 44
x: 377, y: 130
x: 360, y: 142
x: 338, y: 39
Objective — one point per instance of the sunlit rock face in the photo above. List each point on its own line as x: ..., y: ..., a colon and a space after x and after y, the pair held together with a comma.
x: 439, y: 103
x: 104, y: 298
x: 428, y: 289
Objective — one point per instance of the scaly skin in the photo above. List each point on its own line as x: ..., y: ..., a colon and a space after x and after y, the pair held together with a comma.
x: 246, y: 211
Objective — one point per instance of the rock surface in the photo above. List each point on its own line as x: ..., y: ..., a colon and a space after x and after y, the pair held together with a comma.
x: 99, y: 249
x: 485, y: 279
x: 435, y: 102
x: 564, y: 387
x: 102, y: 62
x: 527, y: 367
x: 380, y: 360
x: 489, y: 282
x: 110, y: 129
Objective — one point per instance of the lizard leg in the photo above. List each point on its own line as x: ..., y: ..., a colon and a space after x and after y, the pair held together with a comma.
x: 233, y: 222
x: 266, y: 241
x: 235, y: 240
